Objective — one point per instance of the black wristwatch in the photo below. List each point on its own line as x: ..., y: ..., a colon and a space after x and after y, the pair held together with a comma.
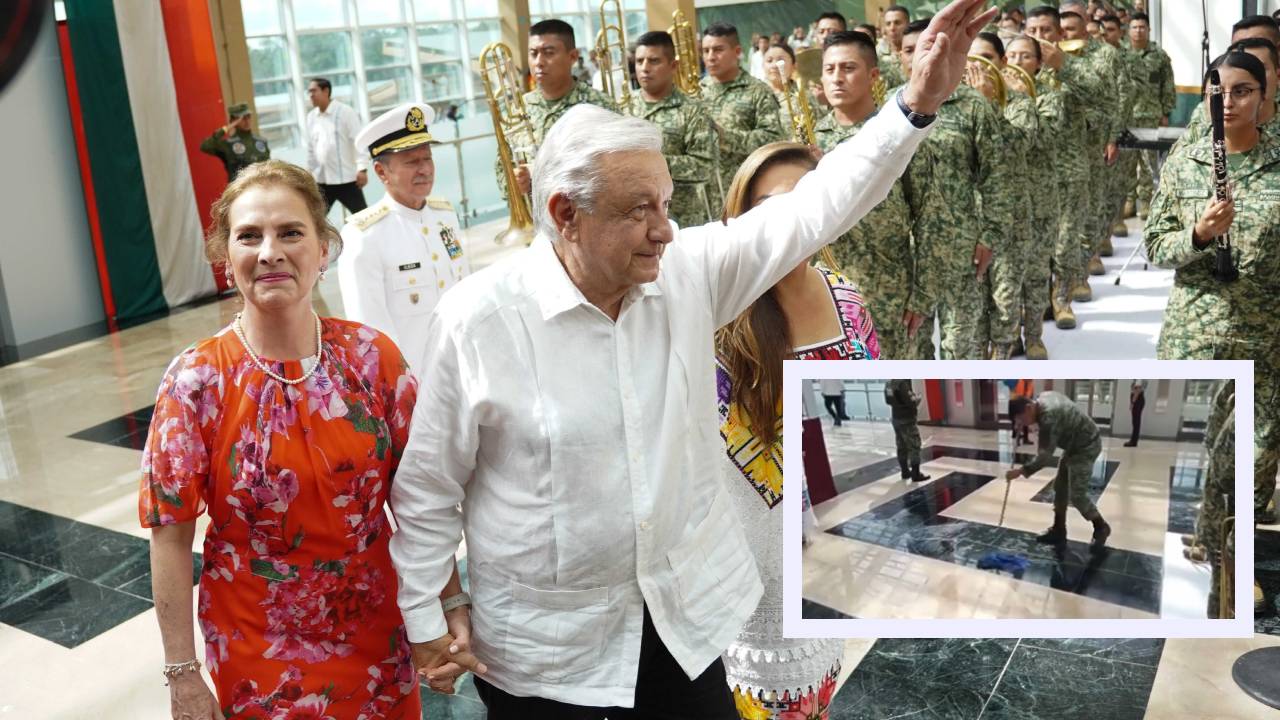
x: 913, y: 117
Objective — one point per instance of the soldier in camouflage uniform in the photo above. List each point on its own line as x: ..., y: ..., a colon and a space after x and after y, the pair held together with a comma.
x: 1215, y: 507
x: 1122, y: 175
x: 552, y: 57
x: 1198, y: 124
x: 235, y: 144
x: 1042, y: 173
x: 879, y: 253
x: 743, y: 108
x: 1208, y: 318
x: 688, y: 140
x: 1062, y: 425
x: 1154, y: 95
x: 1003, y: 286
x: 896, y: 19
x: 967, y: 150
x: 903, y: 402
x: 1096, y: 71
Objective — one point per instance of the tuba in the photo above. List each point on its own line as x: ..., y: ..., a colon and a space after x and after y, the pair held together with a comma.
x: 511, y: 126
x: 808, y: 70
x: 993, y: 73
x: 687, y: 74
x: 611, y: 49
x: 1011, y: 70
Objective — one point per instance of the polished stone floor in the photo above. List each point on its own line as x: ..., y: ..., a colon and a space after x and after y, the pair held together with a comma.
x: 78, y: 634
x: 892, y: 549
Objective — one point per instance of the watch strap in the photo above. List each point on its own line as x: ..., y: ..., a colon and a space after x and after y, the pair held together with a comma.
x: 455, y: 601
x: 916, y: 119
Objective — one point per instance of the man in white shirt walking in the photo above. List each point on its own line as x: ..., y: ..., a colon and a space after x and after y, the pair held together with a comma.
x: 567, y: 419
x: 332, y: 157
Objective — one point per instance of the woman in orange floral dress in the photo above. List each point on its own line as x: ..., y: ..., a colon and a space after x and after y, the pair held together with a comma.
x: 286, y: 429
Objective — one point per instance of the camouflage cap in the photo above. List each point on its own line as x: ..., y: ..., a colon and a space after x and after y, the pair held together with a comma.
x: 238, y: 110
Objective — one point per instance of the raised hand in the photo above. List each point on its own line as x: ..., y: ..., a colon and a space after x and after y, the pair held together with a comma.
x: 942, y: 54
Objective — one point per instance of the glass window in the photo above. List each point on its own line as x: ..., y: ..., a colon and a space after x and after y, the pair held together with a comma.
x: 437, y: 43
x: 324, y: 52
x: 319, y: 14
x: 381, y: 12
x: 441, y: 81
x: 482, y: 185
x: 483, y: 32
x: 261, y: 17
x: 556, y: 7
x: 584, y: 34
x: 268, y: 57
x: 273, y: 101
x: 428, y: 10
x: 343, y: 88
x: 388, y: 87
x: 385, y: 46
x: 280, y: 137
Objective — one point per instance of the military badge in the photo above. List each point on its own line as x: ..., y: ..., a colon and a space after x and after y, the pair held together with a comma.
x: 415, y: 121
x: 262, y: 147
x: 413, y: 298
x: 450, y: 240
x: 237, y: 148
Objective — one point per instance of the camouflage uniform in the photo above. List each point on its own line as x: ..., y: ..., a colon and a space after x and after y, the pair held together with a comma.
x: 903, y: 401
x: 544, y: 113
x: 966, y: 148
x: 818, y: 109
x: 746, y: 114
x: 891, y: 70
x: 1064, y: 425
x: 1009, y: 268
x: 1072, y: 176
x: 1096, y: 73
x: 689, y: 144
x: 880, y: 255
x: 1219, y: 487
x: 1207, y: 319
x: 1154, y: 98
x: 1043, y: 175
x: 1122, y: 176
x: 236, y: 152
x: 1198, y: 127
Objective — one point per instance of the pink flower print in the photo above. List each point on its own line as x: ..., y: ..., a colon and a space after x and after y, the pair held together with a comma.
x: 311, y: 707
x: 310, y: 616
x: 275, y: 492
x: 199, y: 388
x: 243, y: 694
x: 361, y: 501
x: 220, y: 560
x: 323, y: 397
x: 284, y: 414
x: 215, y: 646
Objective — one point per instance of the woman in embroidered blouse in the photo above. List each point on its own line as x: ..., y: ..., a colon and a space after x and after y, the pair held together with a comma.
x: 287, y: 429
x: 811, y: 314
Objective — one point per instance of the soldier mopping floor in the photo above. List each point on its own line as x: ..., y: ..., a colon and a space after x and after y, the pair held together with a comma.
x: 1062, y: 424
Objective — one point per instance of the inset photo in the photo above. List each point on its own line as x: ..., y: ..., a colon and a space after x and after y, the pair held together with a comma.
x: 1047, y: 498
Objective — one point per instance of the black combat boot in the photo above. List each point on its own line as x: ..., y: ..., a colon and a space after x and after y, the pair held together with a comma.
x: 1101, y: 531
x: 902, y: 463
x: 916, y: 475
x: 1057, y: 534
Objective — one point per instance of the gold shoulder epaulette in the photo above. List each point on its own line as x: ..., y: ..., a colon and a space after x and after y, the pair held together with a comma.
x: 367, y: 217
x: 438, y: 203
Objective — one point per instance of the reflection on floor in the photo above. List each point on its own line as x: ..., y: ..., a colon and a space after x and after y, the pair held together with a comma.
x: 913, y: 550
x: 75, y: 585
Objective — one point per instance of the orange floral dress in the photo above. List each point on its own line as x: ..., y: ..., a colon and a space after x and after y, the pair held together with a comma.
x: 297, y: 600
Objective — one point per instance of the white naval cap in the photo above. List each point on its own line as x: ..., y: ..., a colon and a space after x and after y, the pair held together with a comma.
x: 400, y: 128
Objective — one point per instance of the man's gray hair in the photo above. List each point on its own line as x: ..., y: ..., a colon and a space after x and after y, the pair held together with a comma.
x: 569, y: 160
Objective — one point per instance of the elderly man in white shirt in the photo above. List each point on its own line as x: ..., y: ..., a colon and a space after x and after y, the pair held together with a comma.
x: 332, y: 157
x: 567, y: 420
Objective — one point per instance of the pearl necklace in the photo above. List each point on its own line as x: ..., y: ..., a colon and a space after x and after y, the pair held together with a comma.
x: 263, y: 366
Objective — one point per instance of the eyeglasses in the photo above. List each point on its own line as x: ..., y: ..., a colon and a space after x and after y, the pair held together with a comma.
x: 1241, y: 92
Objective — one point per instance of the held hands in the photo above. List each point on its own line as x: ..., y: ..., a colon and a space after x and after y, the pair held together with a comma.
x: 1215, y: 221
x: 942, y: 54
x: 191, y: 699
x: 443, y: 660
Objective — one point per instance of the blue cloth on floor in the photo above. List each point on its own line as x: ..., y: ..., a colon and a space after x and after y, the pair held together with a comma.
x: 1015, y: 565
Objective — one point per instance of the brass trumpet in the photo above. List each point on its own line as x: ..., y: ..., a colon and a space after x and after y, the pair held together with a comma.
x: 514, y: 132
x: 682, y: 35
x: 615, y: 74
x: 1072, y: 47
x: 808, y: 70
x: 1027, y: 79
x: 993, y: 73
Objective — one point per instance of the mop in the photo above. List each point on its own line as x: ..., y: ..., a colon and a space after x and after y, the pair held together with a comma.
x: 1016, y: 565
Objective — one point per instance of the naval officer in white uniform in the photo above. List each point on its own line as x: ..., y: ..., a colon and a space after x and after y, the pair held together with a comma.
x: 403, y: 252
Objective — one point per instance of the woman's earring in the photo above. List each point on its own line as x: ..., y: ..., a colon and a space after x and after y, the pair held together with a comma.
x: 231, y: 280
x: 323, y: 270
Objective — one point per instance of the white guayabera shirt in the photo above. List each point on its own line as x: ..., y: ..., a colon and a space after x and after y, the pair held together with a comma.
x: 332, y: 156
x: 586, y: 453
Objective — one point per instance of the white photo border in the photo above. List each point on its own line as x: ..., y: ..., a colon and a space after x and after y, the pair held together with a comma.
x: 795, y: 371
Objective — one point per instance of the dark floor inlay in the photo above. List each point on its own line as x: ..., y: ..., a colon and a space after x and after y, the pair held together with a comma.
x: 867, y: 474
x: 912, y: 523
x: 1266, y: 569
x: 68, y: 581
x: 1045, y: 684
x: 810, y: 610
x: 128, y: 430
x: 1186, y: 489
x: 1103, y: 471
x: 464, y: 704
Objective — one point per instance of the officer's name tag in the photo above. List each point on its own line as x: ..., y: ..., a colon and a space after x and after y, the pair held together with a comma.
x: 410, y: 266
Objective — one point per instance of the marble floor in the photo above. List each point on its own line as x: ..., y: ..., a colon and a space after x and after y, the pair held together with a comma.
x: 893, y: 549
x: 78, y: 633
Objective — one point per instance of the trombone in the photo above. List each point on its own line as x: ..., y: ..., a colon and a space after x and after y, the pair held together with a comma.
x: 681, y: 32
x: 514, y: 132
x: 615, y: 74
x: 993, y: 73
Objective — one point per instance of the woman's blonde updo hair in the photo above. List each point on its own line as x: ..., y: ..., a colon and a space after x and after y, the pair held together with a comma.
x: 269, y: 172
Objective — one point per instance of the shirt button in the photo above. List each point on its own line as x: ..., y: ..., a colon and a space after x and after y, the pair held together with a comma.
x: 435, y: 257
x: 441, y: 283
x: 413, y: 281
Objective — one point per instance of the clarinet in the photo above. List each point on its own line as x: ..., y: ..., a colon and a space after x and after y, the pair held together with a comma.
x: 1224, y: 265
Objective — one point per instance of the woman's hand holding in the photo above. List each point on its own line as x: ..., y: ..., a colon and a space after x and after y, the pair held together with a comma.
x: 191, y: 699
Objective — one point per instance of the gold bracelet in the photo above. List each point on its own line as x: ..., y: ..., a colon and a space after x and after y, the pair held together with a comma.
x: 173, y: 670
